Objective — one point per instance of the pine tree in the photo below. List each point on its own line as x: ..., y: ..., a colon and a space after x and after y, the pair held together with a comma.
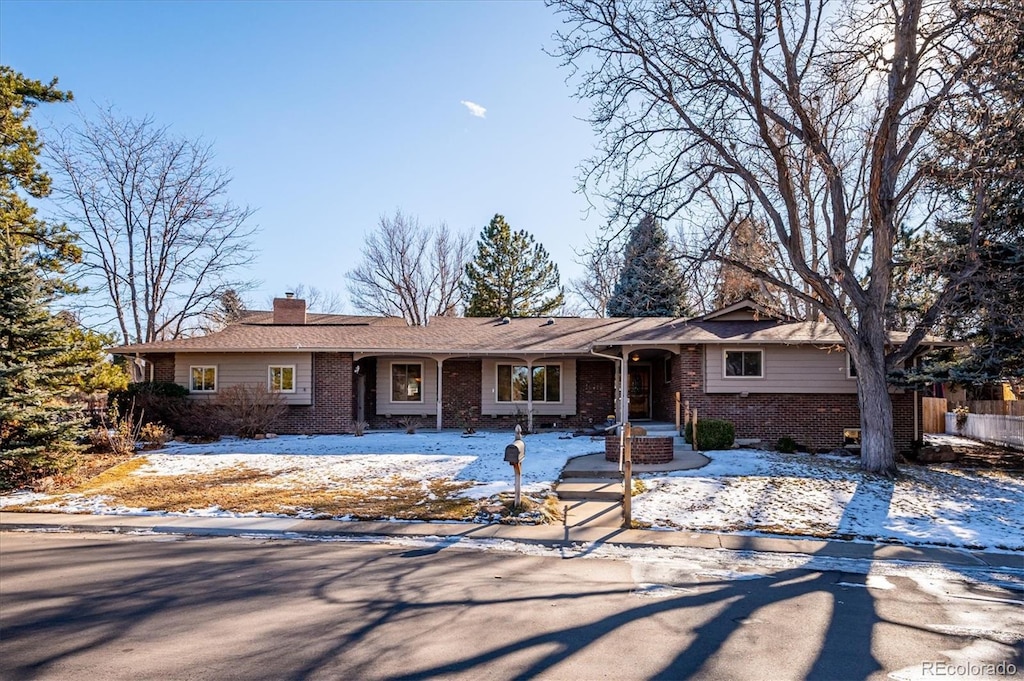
x: 53, y: 246
x: 37, y: 426
x: 511, y: 275
x: 651, y: 284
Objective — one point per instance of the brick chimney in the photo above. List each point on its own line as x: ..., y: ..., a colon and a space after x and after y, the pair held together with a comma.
x: 289, y: 310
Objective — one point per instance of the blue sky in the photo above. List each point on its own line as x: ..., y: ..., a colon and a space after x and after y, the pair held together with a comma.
x: 329, y: 114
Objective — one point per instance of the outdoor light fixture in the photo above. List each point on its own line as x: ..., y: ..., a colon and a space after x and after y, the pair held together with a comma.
x: 635, y: 357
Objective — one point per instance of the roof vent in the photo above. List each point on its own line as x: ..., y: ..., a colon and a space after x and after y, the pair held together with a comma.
x: 289, y: 294
x: 549, y: 322
x: 506, y: 320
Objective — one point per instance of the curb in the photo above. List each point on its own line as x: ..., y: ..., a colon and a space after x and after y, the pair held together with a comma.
x: 554, y: 536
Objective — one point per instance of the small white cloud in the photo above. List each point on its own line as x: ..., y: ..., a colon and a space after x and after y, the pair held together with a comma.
x: 474, y: 109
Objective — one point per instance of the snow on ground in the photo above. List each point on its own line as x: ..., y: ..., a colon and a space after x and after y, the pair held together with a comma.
x: 751, y: 492
x: 740, y: 491
x: 321, y: 460
x: 477, y: 458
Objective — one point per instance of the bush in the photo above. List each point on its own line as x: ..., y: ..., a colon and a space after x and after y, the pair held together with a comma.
x: 712, y: 434
x: 786, y: 445
x: 155, y: 434
x: 248, y: 410
x: 117, y: 434
x: 149, y: 401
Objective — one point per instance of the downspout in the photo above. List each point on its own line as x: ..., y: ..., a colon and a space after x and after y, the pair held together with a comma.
x: 623, y: 408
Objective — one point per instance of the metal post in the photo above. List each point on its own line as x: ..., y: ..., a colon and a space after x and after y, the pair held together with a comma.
x: 627, y: 480
x: 678, y: 422
x: 519, y: 479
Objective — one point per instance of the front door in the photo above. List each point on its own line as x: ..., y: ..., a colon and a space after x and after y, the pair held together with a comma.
x: 639, y: 391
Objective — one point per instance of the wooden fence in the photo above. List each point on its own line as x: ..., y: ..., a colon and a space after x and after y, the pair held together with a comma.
x: 998, y: 429
x: 933, y: 414
x: 997, y: 407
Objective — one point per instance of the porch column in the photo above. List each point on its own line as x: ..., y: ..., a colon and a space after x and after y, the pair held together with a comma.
x: 529, y: 396
x: 624, y: 386
x: 440, y: 385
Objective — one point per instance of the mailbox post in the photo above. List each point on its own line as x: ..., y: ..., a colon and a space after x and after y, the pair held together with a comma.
x: 514, y: 454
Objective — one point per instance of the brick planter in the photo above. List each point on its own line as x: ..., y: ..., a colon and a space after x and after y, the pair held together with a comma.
x: 646, y: 449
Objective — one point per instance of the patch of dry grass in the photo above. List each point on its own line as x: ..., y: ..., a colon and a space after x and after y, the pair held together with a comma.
x: 241, y: 489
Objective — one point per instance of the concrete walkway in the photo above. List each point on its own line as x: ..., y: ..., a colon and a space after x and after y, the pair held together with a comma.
x: 554, y: 536
x: 591, y: 489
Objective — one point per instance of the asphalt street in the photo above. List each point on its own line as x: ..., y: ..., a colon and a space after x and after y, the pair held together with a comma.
x: 100, y: 606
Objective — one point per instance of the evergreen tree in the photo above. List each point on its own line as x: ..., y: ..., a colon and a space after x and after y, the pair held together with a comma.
x: 511, y: 275
x: 651, y: 284
x: 37, y: 372
x: 976, y: 168
x: 53, y: 246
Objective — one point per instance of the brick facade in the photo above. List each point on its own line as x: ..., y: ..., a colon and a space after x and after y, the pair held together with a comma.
x: 332, y: 410
x: 815, y: 420
x: 462, y: 387
x: 162, y: 367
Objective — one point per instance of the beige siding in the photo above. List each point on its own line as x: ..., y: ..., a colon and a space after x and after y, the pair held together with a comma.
x: 249, y: 368
x: 489, y: 399
x: 787, y: 369
x: 429, y: 391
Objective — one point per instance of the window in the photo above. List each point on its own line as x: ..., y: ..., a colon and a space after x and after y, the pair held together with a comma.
x: 851, y: 368
x: 203, y: 379
x: 744, y: 364
x: 517, y: 382
x: 281, y: 379
x: 406, y: 382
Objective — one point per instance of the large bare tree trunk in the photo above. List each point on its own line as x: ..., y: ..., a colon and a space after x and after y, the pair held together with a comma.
x: 814, y: 119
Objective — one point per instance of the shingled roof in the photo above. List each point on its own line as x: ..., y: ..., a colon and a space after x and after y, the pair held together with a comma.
x: 482, y: 336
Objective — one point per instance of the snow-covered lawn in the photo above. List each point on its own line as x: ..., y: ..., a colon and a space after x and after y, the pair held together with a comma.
x: 748, y: 491
x: 744, y: 491
x: 376, y: 464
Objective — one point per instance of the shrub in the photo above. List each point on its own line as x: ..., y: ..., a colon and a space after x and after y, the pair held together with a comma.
x: 786, y: 445
x: 149, y: 401
x: 118, y: 433
x: 962, y: 412
x: 359, y: 427
x: 155, y: 434
x: 712, y: 434
x: 247, y: 410
x: 410, y: 425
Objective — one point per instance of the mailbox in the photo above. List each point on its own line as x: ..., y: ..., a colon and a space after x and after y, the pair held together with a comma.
x: 515, y: 452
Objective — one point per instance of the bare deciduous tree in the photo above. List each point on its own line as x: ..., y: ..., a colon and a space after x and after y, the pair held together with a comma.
x: 410, y: 271
x: 809, y: 117
x: 602, y: 265
x: 161, y: 240
x: 327, y: 301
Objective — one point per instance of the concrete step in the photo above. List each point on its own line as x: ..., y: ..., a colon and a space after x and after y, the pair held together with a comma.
x: 572, y: 473
x: 590, y: 489
x: 593, y: 514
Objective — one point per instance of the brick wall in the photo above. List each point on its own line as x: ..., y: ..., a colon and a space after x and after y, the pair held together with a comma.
x: 162, y: 367
x: 815, y: 420
x: 332, y: 410
x: 595, y: 391
x: 665, y: 392
x: 461, y: 391
x: 642, y: 450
